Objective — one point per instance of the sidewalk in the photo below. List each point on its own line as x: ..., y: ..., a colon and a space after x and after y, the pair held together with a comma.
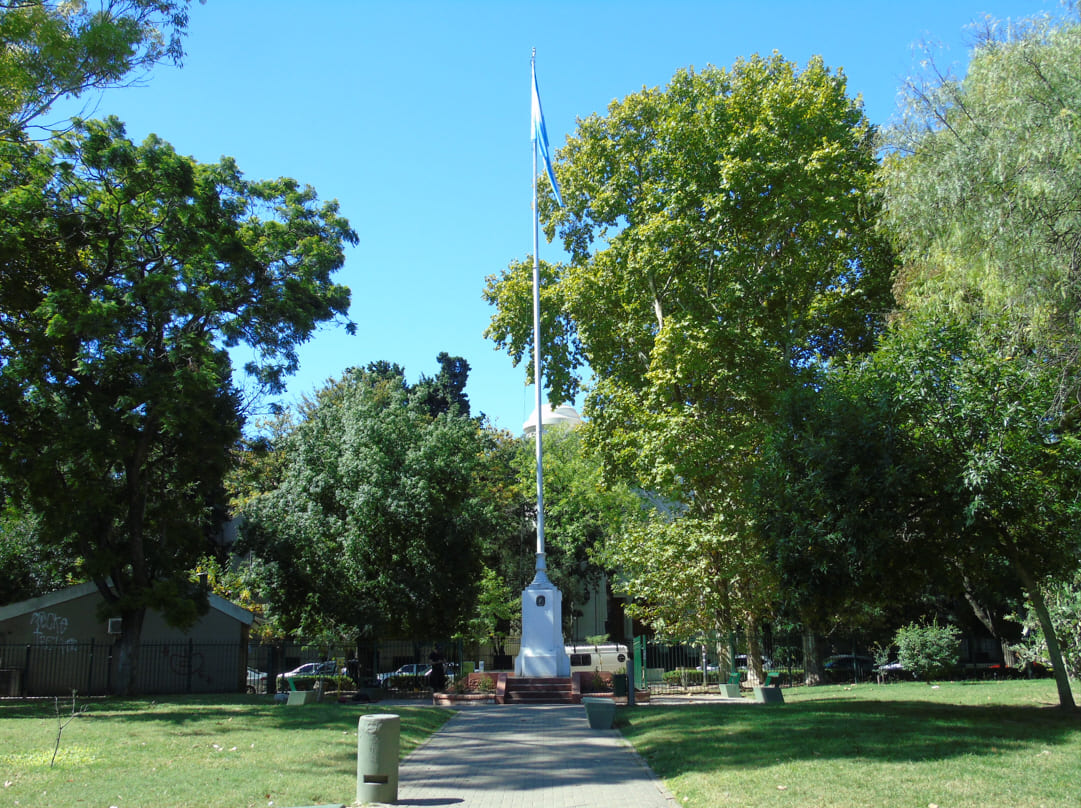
x: 535, y: 756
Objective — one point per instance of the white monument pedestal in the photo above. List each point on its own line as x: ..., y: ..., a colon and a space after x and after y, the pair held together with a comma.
x: 543, y: 653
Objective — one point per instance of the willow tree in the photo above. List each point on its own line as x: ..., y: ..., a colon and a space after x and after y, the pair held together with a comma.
x: 719, y: 249
x: 983, y: 190
x: 983, y: 197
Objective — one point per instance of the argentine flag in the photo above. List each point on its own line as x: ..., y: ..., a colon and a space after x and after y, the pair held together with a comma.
x: 540, y: 137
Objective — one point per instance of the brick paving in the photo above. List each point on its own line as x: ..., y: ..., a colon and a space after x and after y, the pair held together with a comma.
x: 529, y: 756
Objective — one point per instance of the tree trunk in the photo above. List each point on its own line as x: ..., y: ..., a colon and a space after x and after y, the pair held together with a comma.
x: 127, y: 652
x: 755, y: 675
x: 1062, y: 680
x: 812, y: 663
x: 725, y: 654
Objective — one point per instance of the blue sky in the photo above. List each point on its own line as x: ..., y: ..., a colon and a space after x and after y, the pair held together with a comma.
x: 415, y: 116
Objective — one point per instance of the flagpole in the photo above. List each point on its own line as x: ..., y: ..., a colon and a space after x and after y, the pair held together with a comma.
x: 541, y: 565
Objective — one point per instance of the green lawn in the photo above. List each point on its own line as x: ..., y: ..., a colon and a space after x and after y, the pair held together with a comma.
x: 207, y: 751
x: 909, y: 745
x: 958, y: 745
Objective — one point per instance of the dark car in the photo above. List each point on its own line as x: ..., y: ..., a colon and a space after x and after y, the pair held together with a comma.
x: 310, y: 670
x: 848, y: 667
x: 406, y: 673
x: 741, y: 663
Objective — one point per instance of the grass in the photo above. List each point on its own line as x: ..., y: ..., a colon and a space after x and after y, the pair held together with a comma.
x: 189, y: 751
x: 957, y: 745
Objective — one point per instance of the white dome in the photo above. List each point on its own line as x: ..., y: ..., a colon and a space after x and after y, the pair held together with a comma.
x: 563, y: 414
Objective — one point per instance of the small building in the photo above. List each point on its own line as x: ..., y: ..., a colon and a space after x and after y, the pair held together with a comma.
x: 57, y: 643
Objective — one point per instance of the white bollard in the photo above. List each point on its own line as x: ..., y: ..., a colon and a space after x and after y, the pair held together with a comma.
x: 378, y: 738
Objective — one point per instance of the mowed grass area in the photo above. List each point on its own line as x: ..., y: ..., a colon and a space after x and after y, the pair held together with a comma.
x: 202, y: 752
x: 910, y: 745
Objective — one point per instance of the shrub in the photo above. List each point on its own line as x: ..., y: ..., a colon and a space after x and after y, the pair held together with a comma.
x: 928, y: 652
x: 688, y: 677
x: 1064, y: 605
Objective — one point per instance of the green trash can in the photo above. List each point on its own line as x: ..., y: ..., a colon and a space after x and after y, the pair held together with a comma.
x: 619, y: 684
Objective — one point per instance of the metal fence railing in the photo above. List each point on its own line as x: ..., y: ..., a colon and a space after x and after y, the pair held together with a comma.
x: 91, y: 668
x: 186, y: 666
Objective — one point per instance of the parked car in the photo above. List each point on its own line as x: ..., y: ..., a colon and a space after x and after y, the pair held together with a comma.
x: 844, y: 667
x: 893, y: 670
x: 412, y: 669
x: 256, y: 681
x: 329, y: 668
x: 741, y: 662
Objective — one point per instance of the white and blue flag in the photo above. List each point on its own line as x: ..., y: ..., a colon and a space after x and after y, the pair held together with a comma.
x: 540, y: 138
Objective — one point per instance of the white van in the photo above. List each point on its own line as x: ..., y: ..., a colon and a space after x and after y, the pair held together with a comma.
x: 608, y: 657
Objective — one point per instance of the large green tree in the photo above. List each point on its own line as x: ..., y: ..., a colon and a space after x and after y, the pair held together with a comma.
x: 720, y: 246
x: 582, y: 511
x: 126, y: 273
x: 1000, y: 478
x: 373, y: 527
x: 983, y: 194
x: 67, y: 48
x: 831, y: 495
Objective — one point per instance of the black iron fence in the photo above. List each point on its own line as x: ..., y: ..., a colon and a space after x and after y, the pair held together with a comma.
x: 91, y: 668
x: 187, y: 666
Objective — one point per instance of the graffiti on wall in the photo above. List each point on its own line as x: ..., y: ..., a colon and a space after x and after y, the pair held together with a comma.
x: 183, y: 662
x: 49, y: 628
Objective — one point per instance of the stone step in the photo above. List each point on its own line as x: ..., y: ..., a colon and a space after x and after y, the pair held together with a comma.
x: 539, y: 697
x: 531, y: 690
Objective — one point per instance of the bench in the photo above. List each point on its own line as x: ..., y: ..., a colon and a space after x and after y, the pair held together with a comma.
x: 299, y: 697
x: 730, y: 689
x: 769, y: 692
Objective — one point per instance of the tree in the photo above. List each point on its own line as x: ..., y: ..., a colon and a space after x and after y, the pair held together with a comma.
x: 1001, y: 479
x: 445, y: 392
x: 692, y: 580
x: 49, y: 50
x: 582, y: 511
x: 27, y: 568
x: 126, y: 272
x: 983, y: 193
x: 720, y: 247
x: 831, y: 495
x: 982, y: 201
x: 374, y: 524
x: 1064, y: 606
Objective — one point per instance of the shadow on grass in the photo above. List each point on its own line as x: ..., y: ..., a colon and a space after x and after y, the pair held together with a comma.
x: 679, y: 740
x: 217, y: 714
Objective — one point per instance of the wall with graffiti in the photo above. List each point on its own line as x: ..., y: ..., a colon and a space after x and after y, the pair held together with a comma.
x: 62, y: 642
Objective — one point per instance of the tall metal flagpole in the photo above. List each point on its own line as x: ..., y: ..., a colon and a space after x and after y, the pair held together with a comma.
x: 543, y: 653
x: 541, y: 565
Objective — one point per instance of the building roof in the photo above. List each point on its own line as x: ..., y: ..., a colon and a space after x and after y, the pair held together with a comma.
x: 563, y: 414
x: 81, y: 590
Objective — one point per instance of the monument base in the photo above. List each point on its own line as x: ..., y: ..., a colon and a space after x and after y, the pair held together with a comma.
x: 543, y: 653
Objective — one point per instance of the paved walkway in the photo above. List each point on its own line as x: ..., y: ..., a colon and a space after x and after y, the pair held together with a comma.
x: 536, y: 756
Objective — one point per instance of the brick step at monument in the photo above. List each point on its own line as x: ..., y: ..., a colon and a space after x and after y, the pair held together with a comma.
x: 525, y: 690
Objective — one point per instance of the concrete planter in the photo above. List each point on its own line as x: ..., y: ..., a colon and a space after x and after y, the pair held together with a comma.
x: 768, y: 695
x: 600, y: 712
